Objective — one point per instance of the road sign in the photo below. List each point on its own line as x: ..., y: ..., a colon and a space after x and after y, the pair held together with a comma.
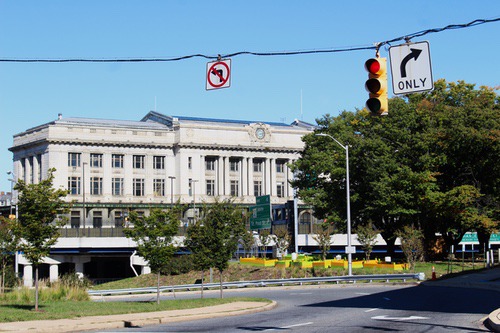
x: 411, y: 68
x: 218, y: 74
x: 261, y: 213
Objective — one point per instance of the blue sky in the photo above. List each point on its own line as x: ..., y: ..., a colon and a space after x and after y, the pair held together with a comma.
x: 262, y: 88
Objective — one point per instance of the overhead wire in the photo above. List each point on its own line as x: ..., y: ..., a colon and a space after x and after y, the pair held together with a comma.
x: 375, y: 46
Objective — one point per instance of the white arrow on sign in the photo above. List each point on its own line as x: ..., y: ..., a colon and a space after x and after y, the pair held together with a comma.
x: 399, y: 318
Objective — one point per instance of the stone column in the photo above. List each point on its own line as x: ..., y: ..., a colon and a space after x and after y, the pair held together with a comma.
x: 54, y: 272
x: 28, y: 276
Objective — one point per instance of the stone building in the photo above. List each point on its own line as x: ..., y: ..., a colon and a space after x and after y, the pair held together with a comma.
x: 111, y: 167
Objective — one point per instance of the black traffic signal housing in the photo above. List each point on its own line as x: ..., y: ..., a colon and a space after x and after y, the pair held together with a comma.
x: 376, y: 85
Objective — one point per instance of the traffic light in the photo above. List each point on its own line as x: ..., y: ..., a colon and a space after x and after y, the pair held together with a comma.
x: 376, y: 85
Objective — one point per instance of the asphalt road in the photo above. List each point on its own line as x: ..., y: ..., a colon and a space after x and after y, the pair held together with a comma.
x: 351, y: 308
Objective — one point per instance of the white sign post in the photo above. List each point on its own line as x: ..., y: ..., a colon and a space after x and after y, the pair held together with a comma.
x: 411, y: 68
x: 218, y: 74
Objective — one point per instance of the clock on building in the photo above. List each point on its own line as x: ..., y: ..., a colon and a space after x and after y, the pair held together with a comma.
x: 260, y: 133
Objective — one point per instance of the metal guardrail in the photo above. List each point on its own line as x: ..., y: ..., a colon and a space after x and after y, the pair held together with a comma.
x: 264, y: 283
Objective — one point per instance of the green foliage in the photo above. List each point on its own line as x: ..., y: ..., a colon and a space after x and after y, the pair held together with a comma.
x: 282, y: 240
x: 8, y: 244
x: 412, y: 244
x: 367, y: 236
x: 265, y: 239
x: 40, y: 209
x: 248, y: 241
x: 180, y: 265
x: 154, y: 235
x: 404, y: 165
x: 324, y: 239
x: 214, y: 238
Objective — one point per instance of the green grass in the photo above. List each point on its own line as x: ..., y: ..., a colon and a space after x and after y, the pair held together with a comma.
x: 23, y: 311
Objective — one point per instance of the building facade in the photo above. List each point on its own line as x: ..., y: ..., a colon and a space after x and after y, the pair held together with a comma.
x: 111, y: 167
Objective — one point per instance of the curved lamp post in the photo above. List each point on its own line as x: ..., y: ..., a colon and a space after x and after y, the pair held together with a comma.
x: 349, y: 249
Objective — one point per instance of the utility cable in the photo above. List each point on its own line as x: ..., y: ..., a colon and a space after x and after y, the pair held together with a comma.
x: 376, y: 46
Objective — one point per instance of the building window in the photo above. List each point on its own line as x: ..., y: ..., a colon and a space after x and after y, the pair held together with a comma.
x: 75, y: 219
x: 210, y: 187
x: 118, y: 219
x: 138, y: 187
x: 234, y: 165
x: 96, y: 160
x: 235, y: 186
x: 190, y: 163
x: 74, y: 159
x: 280, y: 189
x: 159, y: 187
x: 159, y: 162
x: 117, y: 186
x: 138, y: 161
x: 210, y: 164
x: 257, y: 188
x: 280, y: 166
x: 74, y: 185
x: 96, y: 185
x: 257, y: 165
x: 97, y: 219
x: 117, y: 161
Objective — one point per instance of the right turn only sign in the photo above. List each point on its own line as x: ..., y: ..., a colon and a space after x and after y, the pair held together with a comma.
x: 411, y: 68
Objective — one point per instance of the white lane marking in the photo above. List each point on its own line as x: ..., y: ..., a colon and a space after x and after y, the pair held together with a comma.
x: 398, y: 318
x: 387, y: 298
x: 362, y: 293
x: 287, y: 327
x: 374, y: 309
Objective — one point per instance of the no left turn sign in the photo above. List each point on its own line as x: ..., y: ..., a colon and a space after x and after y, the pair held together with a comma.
x: 218, y: 74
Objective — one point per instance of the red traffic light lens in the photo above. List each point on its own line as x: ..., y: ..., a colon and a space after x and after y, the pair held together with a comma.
x: 372, y: 66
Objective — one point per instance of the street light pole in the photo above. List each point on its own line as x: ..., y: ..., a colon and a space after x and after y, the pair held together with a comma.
x: 349, y: 249
x: 193, y: 183
x: 12, y: 181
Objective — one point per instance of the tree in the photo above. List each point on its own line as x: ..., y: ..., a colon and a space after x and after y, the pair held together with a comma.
x: 40, y: 209
x: 324, y: 239
x: 428, y: 147
x: 8, y: 245
x: 199, y: 243
x: 214, y: 237
x: 248, y: 241
x: 367, y: 236
x: 154, y: 235
x: 282, y: 240
x: 411, y: 244
x: 265, y: 239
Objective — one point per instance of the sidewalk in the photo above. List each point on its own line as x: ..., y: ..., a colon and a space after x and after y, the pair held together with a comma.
x: 135, y: 319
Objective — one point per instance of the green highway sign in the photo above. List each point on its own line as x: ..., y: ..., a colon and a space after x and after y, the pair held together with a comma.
x: 471, y: 237
x: 261, y: 213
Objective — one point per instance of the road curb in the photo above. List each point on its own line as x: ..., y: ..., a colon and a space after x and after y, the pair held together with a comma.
x: 170, y: 317
x: 494, y: 320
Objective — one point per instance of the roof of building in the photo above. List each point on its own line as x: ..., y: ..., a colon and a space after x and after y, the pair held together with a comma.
x: 169, y: 120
